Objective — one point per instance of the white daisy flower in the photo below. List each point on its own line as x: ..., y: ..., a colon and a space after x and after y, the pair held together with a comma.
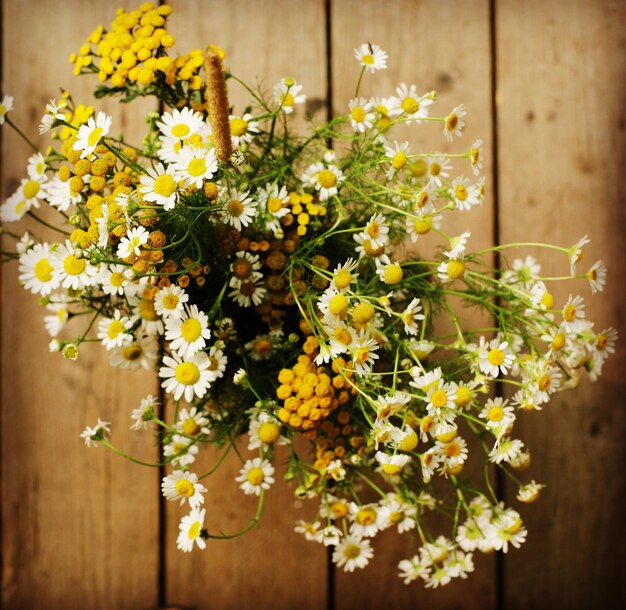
x: 287, y: 94
x: 476, y: 156
x: 242, y: 129
x: 89, y: 135
x: 364, y: 355
x: 180, y: 124
x: 51, y: 116
x: 392, y: 464
x: 244, y: 268
x: 181, y: 451
x: 144, y: 413
x: 499, y: 417
x: 159, y: 186
x: 247, y: 294
x: 451, y: 270
x: 506, y: 450
x: 186, y: 377
x: 457, y: 245
x: 93, y: 435
x: 184, y: 486
x: 37, y: 270
x: 574, y: 314
x: 361, y: 114
x: 412, y: 569
x: 329, y: 536
x: 59, y: 194
x: 217, y: 362
x: 371, y: 57
x: 265, y: 430
x: 409, y: 104
x: 454, y: 122
x: 170, y: 301
x: 114, y: 332
x: 524, y: 271
x: 130, y: 244
x: 410, y: 317
x: 6, y: 105
x: 597, y: 276
x: 397, y: 154
x: 28, y: 195
x: 115, y: 278
x: 463, y: 194
x: 238, y: 210
x: 377, y: 230
x: 188, y: 333
x: 352, y: 552
x: 494, y: 357
x: 192, y: 422
x: 141, y: 353
x: 37, y: 167
x: 256, y: 475
x: 421, y: 223
x: 395, y: 511
x: 438, y: 168
x: 575, y: 253
x: 309, y: 529
x: 55, y: 323
x: 324, y: 178
x: 194, y: 165
x: 530, y: 492
x: 71, y: 270
x: 190, y: 529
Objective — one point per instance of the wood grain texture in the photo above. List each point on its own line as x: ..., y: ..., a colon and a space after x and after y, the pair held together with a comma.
x: 561, y: 69
x: 271, y: 567
x: 442, y: 46
x: 79, y: 526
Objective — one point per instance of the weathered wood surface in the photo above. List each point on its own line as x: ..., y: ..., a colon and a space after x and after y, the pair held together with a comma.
x: 79, y: 527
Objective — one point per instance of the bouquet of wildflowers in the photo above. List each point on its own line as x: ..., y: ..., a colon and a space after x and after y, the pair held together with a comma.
x: 265, y: 277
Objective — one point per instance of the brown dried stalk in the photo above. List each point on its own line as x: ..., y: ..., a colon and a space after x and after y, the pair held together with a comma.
x: 217, y: 101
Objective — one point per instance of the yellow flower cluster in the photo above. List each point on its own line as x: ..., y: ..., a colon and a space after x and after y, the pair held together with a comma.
x: 132, y: 50
x: 302, y: 209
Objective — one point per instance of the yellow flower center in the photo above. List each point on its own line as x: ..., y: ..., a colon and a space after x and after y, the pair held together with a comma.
x: 185, y: 488
x: 368, y: 59
x: 410, y: 105
x: 43, y: 270
x: 435, y: 169
x: 242, y: 268
x: 362, y: 354
x: 190, y: 427
x: 3, y: 109
x: 463, y: 396
x: 409, y: 442
x: 558, y: 342
x: 132, y: 353
x: 342, y: 335
x: 269, y: 432
x: 238, y: 127
x: 366, y: 516
x: 255, y: 476
x: 288, y: 100
x: 456, y: 269
x: 452, y: 450
x: 460, y: 192
x: 544, y: 382
x: 602, y: 341
x: 117, y: 279
x: 180, y: 130
x: 274, y: 205
x: 338, y: 305
x: 393, y: 274
x: 363, y: 313
x: 547, y: 300
x: 343, y: 278
x: 94, y: 136
x: 495, y: 356
x: 422, y: 225
x: 399, y: 160
x: 170, y: 301
x: 496, y: 413
x: 351, y: 551
x: 197, y: 167
x: 187, y: 373
x: 474, y: 155
x: 73, y: 265
x: 373, y: 229
x: 115, y: 328
x: 164, y: 185
x: 570, y: 313
x: 358, y: 114
x: 191, y: 330
x: 194, y: 530
x: 30, y: 189
x: 391, y: 468
x: 451, y: 122
x: 396, y: 517
x: 439, y: 398
x: 326, y: 179
x: 235, y: 208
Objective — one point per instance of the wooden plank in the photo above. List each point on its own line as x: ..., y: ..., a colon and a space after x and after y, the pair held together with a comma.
x: 442, y: 46
x: 79, y: 525
x: 272, y: 566
x: 561, y: 71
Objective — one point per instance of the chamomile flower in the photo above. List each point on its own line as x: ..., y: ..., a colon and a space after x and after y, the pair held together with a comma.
x: 115, y: 331
x: 71, y: 269
x: 344, y: 274
x: 287, y: 94
x: 238, y: 210
x: 495, y: 357
x: 248, y: 293
x: 140, y: 353
x: 604, y: 343
x: 499, y: 417
x: 170, y: 301
x: 181, y: 451
x: 524, y: 272
x: 242, y: 129
x: 506, y: 450
x: 463, y: 194
x: 392, y: 464
x: 398, y: 158
x: 6, y: 105
x: 256, y: 475
x: 265, y: 430
x: 188, y: 377
x: 409, y: 105
x: 89, y: 135
x: 451, y: 270
x: 422, y: 223
x: 361, y: 115
x: 180, y: 124
x: 530, y: 492
x: 411, y: 315
x: 309, y: 529
x: 36, y: 168
x: 575, y: 253
x: 190, y: 530
x: 276, y: 202
x: 364, y: 355
x: 453, y: 124
x: 371, y: 57
x: 51, y: 116
x: 130, y: 244
x: 352, y: 552
x: 324, y: 178
x: 217, y: 362
x: 414, y: 568
x: 58, y: 305
x: 159, y: 186
x: 394, y: 511
x: 194, y: 165
x: 93, y: 436
x: 457, y: 245
x: 574, y: 314
x: 144, y: 413
x: 184, y: 486
x: 475, y: 156
x: 377, y: 231
x: 115, y: 279
x: 37, y: 270
x: 188, y: 333
x: 27, y: 196
x: 597, y: 276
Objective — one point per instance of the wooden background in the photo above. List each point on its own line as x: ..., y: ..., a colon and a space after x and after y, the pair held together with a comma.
x: 543, y: 82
